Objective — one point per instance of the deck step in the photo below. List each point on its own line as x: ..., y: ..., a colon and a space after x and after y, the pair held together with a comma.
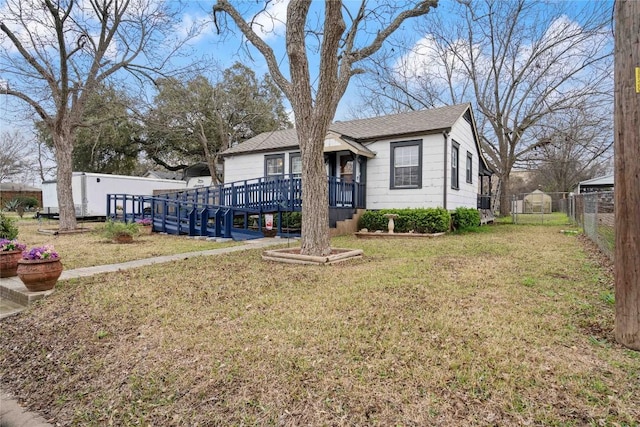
x: 8, y: 307
x: 347, y: 226
x: 12, y: 289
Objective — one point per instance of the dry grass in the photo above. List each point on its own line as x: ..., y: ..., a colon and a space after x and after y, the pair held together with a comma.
x: 91, y: 249
x: 510, y: 326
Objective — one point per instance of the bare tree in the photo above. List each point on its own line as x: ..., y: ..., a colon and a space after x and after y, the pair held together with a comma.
x: 55, y: 53
x: 23, y: 158
x: 572, y: 147
x: 314, y: 106
x: 16, y: 155
x: 519, y: 62
x: 627, y: 172
x: 45, y: 161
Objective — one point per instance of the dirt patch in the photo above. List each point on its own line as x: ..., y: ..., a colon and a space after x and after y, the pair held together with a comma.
x: 57, y: 231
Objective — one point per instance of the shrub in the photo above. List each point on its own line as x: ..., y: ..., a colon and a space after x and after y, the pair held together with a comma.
x: 27, y: 202
x: 429, y: 220
x: 292, y: 220
x: 113, y: 229
x: 372, y: 220
x: 12, y: 205
x: 8, y: 229
x: 465, y: 219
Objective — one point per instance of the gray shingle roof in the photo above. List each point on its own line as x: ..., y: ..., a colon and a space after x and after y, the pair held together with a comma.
x: 13, y: 186
x: 401, y: 124
x: 362, y: 130
x: 277, y: 139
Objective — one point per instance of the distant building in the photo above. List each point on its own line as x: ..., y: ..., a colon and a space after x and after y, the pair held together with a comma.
x: 11, y: 190
x: 196, y: 175
x: 175, y: 175
x: 602, y: 183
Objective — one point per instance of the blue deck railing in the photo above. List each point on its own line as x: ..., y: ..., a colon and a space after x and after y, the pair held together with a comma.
x: 212, y: 211
x: 271, y: 194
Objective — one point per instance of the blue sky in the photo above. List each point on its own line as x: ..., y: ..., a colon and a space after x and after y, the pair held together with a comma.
x: 228, y: 47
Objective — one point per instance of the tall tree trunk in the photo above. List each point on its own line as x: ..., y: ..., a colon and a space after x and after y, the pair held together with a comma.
x: 64, y: 147
x: 627, y: 172
x: 315, y: 238
x: 337, y: 56
x: 505, y: 197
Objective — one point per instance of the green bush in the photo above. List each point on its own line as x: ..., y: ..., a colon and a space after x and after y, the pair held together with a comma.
x: 291, y: 219
x: 113, y: 229
x: 373, y: 220
x: 8, y: 228
x: 429, y: 220
x: 465, y: 218
x: 27, y: 202
x: 12, y: 205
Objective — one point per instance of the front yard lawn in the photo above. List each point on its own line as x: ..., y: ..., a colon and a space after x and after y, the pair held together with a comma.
x: 91, y: 248
x: 508, y: 326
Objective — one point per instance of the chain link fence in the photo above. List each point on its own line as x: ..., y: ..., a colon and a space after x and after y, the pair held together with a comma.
x: 539, y: 207
x: 594, y: 213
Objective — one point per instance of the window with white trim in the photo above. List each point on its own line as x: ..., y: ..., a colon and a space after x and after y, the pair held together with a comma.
x: 469, y: 168
x: 455, y: 149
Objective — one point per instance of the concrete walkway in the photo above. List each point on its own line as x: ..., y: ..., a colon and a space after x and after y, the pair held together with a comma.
x: 11, y: 413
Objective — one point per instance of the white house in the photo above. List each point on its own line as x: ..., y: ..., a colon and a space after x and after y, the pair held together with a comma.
x: 419, y: 159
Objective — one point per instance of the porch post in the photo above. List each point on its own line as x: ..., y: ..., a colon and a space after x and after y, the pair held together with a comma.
x: 355, y: 181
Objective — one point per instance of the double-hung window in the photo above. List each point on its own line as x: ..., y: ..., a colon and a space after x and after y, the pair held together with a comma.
x: 469, y: 168
x: 295, y: 164
x: 274, y: 165
x: 406, y: 164
x: 455, y: 150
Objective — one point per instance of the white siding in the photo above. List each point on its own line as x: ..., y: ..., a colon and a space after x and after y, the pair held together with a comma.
x: 90, y: 190
x: 97, y: 186
x: 379, y: 193
x: 250, y: 166
x: 467, y: 194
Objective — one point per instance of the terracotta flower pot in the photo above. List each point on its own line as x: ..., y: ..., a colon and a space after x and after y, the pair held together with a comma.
x: 123, y: 238
x: 39, y: 274
x: 9, y: 263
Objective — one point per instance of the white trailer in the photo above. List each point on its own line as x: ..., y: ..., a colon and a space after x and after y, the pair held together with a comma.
x: 90, y: 191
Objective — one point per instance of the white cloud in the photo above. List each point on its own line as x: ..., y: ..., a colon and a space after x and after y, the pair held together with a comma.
x: 272, y: 21
x: 562, y: 49
x: 197, y: 27
x: 37, y: 23
x: 428, y: 60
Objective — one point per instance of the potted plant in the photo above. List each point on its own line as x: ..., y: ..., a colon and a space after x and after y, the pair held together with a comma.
x: 146, y: 225
x: 10, y: 253
x: 39, y: 268
x: 120, y: 232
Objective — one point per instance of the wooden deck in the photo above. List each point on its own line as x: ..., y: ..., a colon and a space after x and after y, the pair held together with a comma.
x: 235, y: 210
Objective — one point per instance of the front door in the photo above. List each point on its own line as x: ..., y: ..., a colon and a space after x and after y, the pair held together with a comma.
x: 346, y: 167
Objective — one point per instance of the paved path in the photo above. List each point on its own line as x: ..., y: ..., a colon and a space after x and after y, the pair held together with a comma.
x: 11, y: 413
